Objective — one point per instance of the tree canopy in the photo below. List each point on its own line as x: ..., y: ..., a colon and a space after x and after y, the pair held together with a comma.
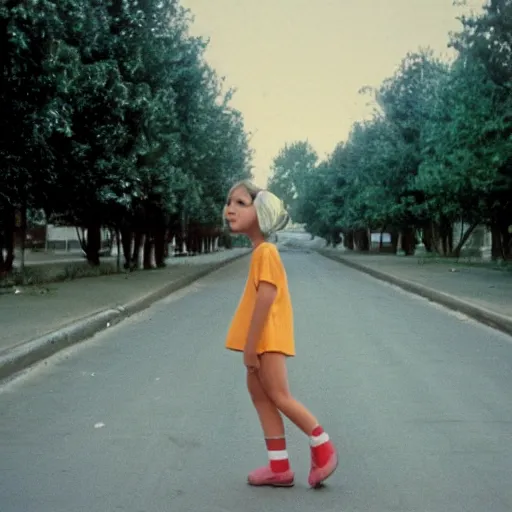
x: 437, y: 149
x: 111, y: 116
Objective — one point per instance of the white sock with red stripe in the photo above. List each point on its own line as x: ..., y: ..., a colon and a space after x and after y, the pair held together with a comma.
x: 277, y: 454
x: 321, y: 446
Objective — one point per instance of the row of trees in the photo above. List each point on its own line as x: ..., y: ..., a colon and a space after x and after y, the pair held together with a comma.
x: 111, y: 117
x: 438, y: 150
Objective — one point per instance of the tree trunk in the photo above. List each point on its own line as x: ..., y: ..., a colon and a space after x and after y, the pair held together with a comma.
x: 93, y: 243
x: 137, y: 243
x: 348, y: 240
x: 503, y: 240
x: 160, y: 244
x: 2, y: 261
x: 361, y: 240
x: 506, y: 242
x: 126, y: 242
x: 227, y: 241
x: 179, y: 242
x: 118, y: 246
x: 456, y: 251
x: 427, y: 237
x: 408, y: 241
x: 394, y: 241
x: 496, y: 242
x: 437, y: 238
x: 23, y: 239
x: 446, y: 236
x: 7, y: 243
x: 148, y: 252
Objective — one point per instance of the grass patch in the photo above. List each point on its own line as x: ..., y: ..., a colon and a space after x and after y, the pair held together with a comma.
x: 38, y: 275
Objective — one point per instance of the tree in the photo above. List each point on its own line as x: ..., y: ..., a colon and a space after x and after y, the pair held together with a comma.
x: 38, y: 64
x: 114, y: 119
x: 289, y: 174
x: 485, y: 44
x: 437, y: 150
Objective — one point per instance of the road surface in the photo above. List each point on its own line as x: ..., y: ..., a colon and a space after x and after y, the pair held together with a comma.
x: 153, y: 414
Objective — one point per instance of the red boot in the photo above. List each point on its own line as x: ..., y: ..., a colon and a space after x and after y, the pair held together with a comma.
x: 324, y: 459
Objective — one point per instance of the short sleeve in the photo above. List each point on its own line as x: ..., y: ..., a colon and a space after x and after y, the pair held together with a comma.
x: 267, y: 267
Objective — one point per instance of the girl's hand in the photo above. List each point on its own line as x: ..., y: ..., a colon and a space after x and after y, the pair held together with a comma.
x: 251, y: 360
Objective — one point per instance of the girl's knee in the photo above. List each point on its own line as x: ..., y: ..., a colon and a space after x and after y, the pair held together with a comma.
x: 258, y: 398
x: 255, y: 389
x: 280, y: 397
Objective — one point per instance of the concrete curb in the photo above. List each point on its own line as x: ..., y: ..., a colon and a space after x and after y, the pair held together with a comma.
x: 23, y: 356
x: 482, y: 315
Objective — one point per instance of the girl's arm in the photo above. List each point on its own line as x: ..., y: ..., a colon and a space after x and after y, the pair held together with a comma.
x: 265, y: 296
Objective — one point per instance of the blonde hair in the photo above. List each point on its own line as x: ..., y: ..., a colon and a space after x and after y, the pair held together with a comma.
x: 270, y: 211
x: 251, y: 188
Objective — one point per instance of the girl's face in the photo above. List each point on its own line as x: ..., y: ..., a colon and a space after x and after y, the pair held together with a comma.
x: 241, y: 213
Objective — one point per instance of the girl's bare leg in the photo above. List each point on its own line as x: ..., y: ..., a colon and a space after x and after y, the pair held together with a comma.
x: 277, y: 472
x: 270, y: 418
x: 274, y: 381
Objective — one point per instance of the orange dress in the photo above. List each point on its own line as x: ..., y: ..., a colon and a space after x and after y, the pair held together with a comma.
x: 277, y: 334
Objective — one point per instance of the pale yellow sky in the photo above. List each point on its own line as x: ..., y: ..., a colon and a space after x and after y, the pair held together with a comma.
x: 298, y: 64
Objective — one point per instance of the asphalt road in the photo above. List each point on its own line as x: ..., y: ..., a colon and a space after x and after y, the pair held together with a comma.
x: 153, y: 415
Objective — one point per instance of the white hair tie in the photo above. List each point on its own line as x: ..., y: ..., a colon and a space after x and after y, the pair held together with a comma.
x: 271, y: 213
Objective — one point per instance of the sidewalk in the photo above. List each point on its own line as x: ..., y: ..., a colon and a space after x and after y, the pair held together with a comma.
x: 40, y: 321
x: 483, y: 293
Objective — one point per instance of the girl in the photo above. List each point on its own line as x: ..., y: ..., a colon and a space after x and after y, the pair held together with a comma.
x: 262, y: 329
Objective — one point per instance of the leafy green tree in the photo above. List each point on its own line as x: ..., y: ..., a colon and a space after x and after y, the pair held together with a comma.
x: 485, y: 41
x: 463, y: 151
x: 407, y: 100
x: 38, y: 63
x: 113, y: 119
x: 437, y: 150
x: 289, y: 174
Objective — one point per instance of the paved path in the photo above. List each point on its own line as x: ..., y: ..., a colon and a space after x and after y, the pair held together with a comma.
x: 153, y: 415
x: 479, y: 285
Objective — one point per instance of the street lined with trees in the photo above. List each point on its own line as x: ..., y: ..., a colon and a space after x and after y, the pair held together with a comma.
x: 111, y: 117
x: 437, y: 151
